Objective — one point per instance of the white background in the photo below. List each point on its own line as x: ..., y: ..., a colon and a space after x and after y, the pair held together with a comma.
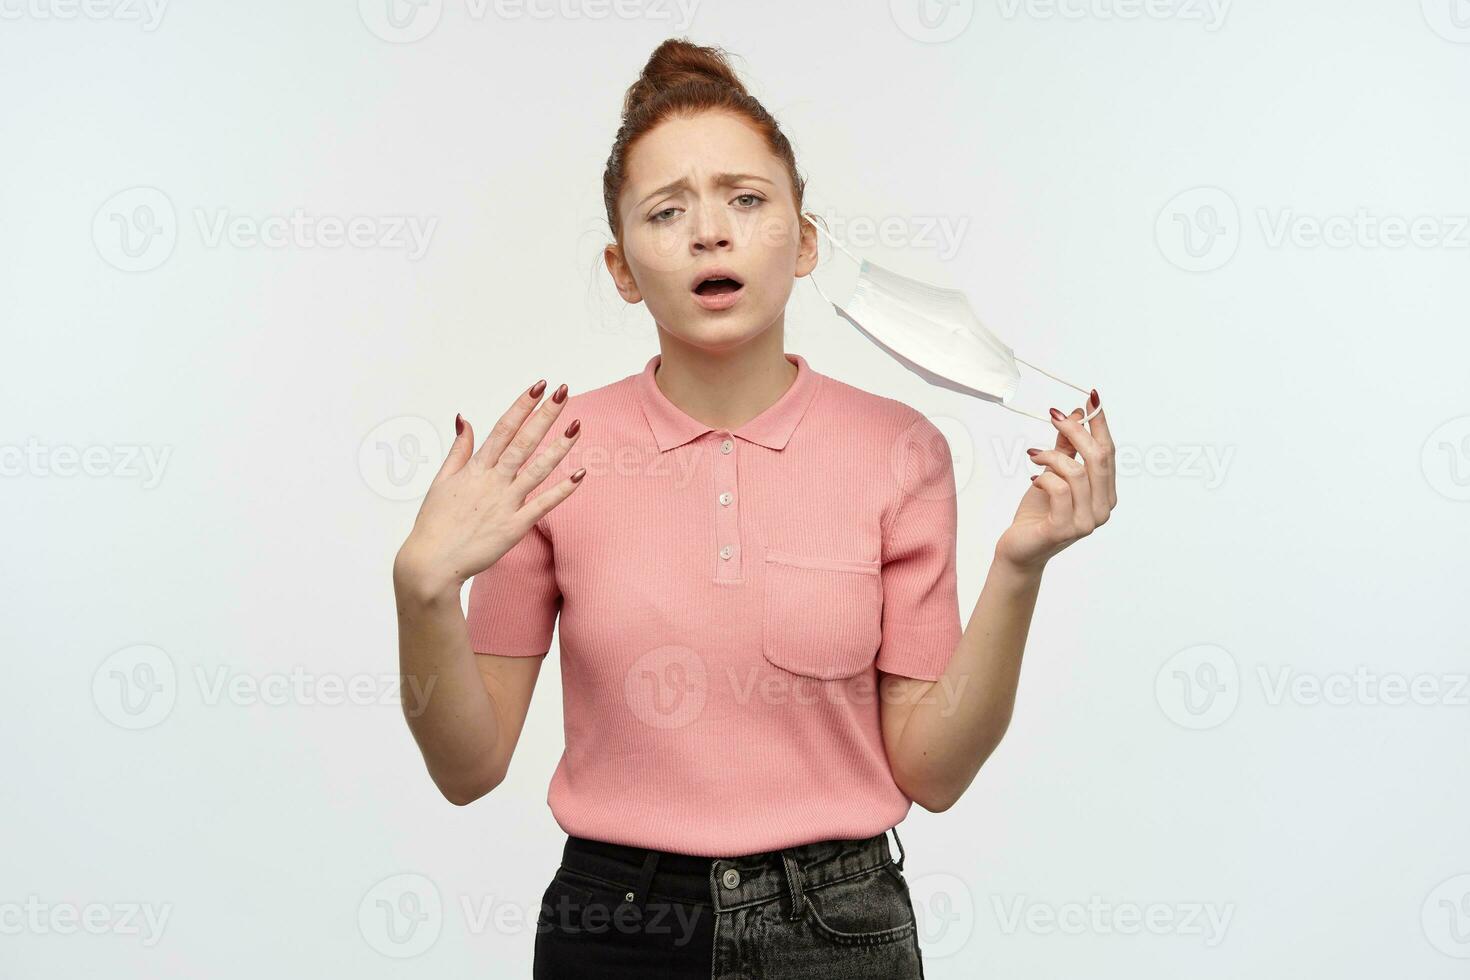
x: 1131, y: 193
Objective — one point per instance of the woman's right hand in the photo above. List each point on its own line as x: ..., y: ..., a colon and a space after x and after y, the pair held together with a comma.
x: 475, y: 509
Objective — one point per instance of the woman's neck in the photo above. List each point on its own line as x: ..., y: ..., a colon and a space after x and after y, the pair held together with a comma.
x: 727, y: 388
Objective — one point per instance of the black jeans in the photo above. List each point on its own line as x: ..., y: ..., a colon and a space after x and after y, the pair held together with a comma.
x: 835, y: 909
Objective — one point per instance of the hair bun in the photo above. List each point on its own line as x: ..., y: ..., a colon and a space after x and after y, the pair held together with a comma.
x: 683, y: 80
x: 676, y: 62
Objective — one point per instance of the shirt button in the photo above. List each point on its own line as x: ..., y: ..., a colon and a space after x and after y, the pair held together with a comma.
x: 725, y: 497
x: 731, y: 878
x: 726, y: 446
x: 726, y: 551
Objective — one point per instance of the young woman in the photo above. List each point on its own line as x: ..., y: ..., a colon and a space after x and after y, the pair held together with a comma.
x: 762, y: 658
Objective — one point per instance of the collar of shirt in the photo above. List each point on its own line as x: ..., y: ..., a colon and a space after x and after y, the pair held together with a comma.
x: 772, y: 428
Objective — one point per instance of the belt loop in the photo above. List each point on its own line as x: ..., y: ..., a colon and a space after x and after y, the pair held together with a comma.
x: 645, y: 877
x: 899, y: 862
x: 793, y: 880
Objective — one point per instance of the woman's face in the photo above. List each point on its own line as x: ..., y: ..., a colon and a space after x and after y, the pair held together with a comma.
x: 705, y: 195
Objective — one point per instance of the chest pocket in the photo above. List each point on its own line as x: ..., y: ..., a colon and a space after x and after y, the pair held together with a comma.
x: 822, y: 617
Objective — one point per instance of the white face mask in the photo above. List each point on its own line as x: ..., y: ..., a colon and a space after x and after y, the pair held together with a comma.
x: 934, y: 332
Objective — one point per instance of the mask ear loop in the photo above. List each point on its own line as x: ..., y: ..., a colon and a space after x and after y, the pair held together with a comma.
x: 1086, y: 417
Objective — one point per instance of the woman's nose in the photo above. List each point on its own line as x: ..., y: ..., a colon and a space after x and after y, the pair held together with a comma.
x: 711, y: 228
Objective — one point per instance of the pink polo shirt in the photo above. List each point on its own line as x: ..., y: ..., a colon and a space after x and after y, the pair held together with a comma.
x: 726, y: 598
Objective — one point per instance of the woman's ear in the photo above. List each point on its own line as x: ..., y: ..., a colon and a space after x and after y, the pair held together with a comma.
x: 806, y: 249
x: 622, y: 276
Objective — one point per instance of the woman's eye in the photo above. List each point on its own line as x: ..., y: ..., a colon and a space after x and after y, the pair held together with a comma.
x: 658, y: 217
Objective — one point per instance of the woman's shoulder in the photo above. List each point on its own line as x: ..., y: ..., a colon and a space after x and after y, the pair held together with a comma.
x: 885, y: 417
x: 604, y: 402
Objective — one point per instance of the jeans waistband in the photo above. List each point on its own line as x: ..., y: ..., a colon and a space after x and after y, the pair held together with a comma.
x: 728, y: 882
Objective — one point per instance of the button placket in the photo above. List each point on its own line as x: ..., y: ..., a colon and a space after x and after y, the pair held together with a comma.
x: 727, y: 516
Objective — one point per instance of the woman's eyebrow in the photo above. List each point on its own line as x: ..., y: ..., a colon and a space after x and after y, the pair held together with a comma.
x: 721, y: 180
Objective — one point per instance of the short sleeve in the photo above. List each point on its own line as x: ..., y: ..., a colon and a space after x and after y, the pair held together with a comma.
x: 514, y: 603
x: 921, y: 613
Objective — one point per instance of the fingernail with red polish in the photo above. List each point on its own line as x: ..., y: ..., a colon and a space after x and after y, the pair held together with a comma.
x: 574, y: 428
x: 560, y: 394
x: 1095, y: 400
x: 577, y: 476
x: 1033, y: 452
x: 1057, y: 415
x: 1033, y: 479
x: 458, y: 424
x: 538, y: 388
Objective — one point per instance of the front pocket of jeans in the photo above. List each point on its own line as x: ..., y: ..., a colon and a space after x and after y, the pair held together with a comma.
x: 822, y: 616
x: 867, y: 909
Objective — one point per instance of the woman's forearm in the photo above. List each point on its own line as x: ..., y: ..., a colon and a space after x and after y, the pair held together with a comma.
x: 451, y: 715
x: 959, y: 721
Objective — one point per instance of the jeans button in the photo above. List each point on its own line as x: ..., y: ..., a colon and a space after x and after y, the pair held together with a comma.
x: 731, y: 878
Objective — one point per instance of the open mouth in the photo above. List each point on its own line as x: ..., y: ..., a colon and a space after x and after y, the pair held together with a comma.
x: 717, y: 286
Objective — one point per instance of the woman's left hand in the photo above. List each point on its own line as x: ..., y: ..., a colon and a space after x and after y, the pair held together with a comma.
x: 1069, y: 499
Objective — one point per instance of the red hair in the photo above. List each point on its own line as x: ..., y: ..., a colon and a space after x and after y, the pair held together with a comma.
x: 683, y: 79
